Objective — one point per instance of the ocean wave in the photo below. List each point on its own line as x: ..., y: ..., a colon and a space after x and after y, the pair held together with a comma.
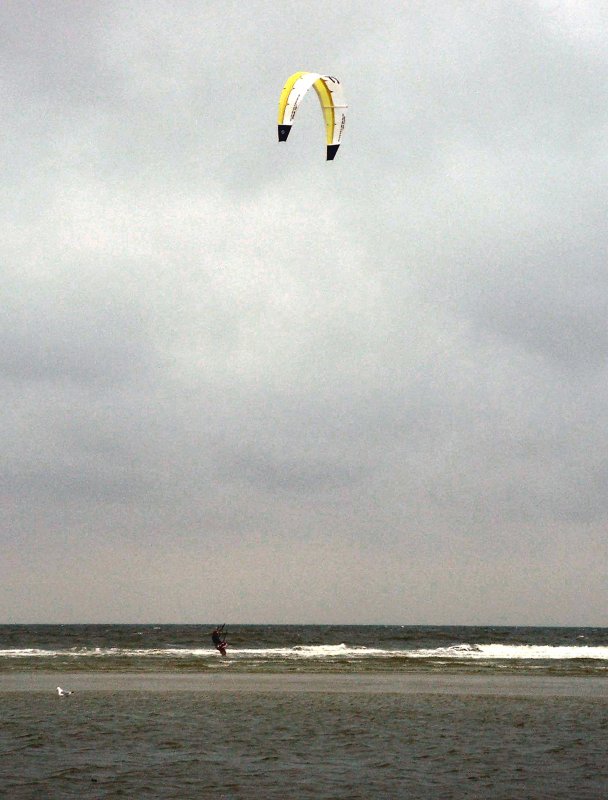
x: 480, y: 652
x: 517, y: 651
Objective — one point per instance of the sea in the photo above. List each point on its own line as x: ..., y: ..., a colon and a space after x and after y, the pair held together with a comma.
x: 303, y: 711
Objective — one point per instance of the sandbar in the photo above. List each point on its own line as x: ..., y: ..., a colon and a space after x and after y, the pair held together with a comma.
x: 368, y: 683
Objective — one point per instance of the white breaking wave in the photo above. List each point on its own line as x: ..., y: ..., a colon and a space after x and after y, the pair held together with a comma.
x: 100, y: 652
x: 513, y: 651
x: 313, y: 651
x: 479, y: 652
x: 297, y: 652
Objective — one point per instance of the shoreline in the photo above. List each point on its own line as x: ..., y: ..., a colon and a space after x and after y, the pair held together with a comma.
x: 368, y: 683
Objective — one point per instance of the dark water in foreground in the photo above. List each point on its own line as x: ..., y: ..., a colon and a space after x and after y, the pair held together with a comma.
x: 304, y: 712
x: 326, y: 737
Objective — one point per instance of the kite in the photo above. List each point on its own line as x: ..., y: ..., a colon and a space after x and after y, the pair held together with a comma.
x: 333, y: 104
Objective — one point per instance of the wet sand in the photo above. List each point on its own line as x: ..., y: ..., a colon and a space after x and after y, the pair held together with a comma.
x: 370, y: 683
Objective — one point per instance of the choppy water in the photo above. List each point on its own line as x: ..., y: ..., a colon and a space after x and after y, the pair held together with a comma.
x: 306, y: 648
x: 304, y: 712
x: 321, y: 744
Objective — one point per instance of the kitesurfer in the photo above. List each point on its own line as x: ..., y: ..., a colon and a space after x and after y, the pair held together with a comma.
x: 216, y: 638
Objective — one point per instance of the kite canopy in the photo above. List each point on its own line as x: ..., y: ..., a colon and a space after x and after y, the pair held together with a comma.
x: 333, y: 104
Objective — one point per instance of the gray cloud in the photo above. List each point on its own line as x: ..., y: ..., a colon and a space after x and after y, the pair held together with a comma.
x: 372, y: 390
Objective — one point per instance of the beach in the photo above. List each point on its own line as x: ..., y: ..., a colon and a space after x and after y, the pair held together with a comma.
x: 171, y: 735
x: 368, y: 683
x: 303, y: 711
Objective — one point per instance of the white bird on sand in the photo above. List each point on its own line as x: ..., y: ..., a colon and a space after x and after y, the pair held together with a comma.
x: 64, y: 692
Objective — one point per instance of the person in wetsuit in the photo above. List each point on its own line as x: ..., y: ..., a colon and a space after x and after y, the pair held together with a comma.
x: 216, y: 638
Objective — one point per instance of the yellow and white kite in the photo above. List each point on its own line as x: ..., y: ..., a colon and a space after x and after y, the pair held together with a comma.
x: 333, y: 104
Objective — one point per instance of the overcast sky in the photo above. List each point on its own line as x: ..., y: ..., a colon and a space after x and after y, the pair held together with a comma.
x: 243, y: 383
